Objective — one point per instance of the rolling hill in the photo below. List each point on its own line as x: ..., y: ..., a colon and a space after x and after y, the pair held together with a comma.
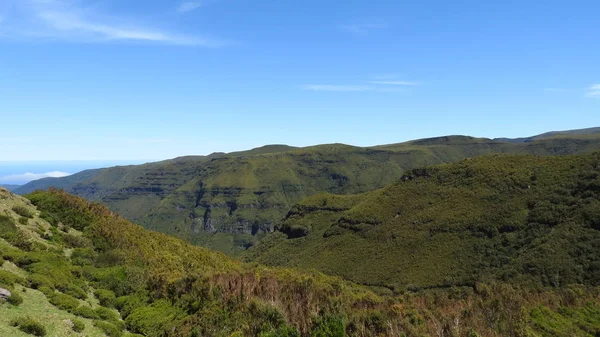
x: 75, y: 268
x: 230, y: 201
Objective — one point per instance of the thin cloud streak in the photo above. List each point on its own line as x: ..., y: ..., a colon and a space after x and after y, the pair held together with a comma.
x: 338, y: 88
x: 189, y: 6
x: 593, y: 91
x: 362, y: 29
x: 60, y: 20
x: 404, y: 83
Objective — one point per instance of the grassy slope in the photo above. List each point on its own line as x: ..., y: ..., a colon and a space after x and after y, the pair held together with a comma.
x: 57, y: 322
x: 228, y: 202
x: 527, y: 219
x: 166, y: 287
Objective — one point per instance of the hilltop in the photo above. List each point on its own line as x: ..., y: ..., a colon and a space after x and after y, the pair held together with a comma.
x: 76, y: 268
x: 524, y: 219
x: 230, y: 201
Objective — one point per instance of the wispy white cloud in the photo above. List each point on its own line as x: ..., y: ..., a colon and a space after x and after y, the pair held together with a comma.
x: 362, y: 29
x: 27, y: 177
x: 403, y: 83
x: 593, y: 91
x: 189, y: 6
x: 72, y: 21
x: 340, y: 88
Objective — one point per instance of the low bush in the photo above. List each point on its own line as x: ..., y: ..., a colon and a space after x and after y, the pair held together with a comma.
x: 85, y: 312
x: 106, y: 297
x: 75, y: 241
x: 64, y: 302
x: 15, y: 298
x: 37, y: 281
x: 29, y: 326
x: 23, y: 211
x: 78, y: 325
x: 111, y: 330
x: 107, y: 314
x: 9, y: 279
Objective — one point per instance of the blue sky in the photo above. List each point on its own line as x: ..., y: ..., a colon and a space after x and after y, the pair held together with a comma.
x: 146, y: 80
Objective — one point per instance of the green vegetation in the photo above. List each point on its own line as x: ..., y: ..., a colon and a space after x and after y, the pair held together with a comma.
x: 520, y: 219
x: 229, y: 202
x: 29, y: 326
x: 163, y: 286
x: 78, y: 325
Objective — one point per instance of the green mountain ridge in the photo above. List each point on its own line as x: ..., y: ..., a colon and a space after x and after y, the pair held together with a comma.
x: 75, y: 268
x: 230, y: 201
x: 527, y: 219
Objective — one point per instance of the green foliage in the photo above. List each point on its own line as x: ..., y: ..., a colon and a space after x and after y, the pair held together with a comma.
x: 166, y: 287
x: 107, y: 314
x: 7, y: 226
x: 520, y: 219
x: 23, y: 211
x: 78, y: 325
x: 285, y: 331
x: 9, y: 279
x: 328, y: 327
x: 110, y: 329
x: 15, y: 298
x: 63, y: 302
x: 250, y: 191
x: 151, y: 320
x: 85, y: 312
x: 107, y: 298
x: 30, y: 326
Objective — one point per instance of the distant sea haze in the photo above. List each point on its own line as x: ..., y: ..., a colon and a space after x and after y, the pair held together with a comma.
x: 22, y: 172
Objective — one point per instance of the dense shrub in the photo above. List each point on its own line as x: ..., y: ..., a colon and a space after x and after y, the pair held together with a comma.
x: 83, y: 256
x: 328, y: 327
x: 75, y: 291
x: 15, y: 298
x: 78, y: 325
x: 9, y: 279
x: 36, y: 281
x: 85, y: 312
x: 23, y: 211
x: 7, y: 226
x: 106, y: 297
x: 75, y: 241
x: 63, y: 302
x: 110, y: 329
x: 107, y: 314
x: 29, y: 326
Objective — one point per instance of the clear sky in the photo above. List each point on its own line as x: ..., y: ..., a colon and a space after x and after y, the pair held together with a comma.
x: 140, y: 80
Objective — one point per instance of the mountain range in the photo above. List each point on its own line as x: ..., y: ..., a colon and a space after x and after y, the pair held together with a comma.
x: 229, y: 202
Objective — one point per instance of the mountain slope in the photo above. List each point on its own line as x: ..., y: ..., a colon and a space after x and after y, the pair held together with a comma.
x: 531, y: 220
x: 230, y: 201
x: 71, y: 261
x: 10, y: 187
